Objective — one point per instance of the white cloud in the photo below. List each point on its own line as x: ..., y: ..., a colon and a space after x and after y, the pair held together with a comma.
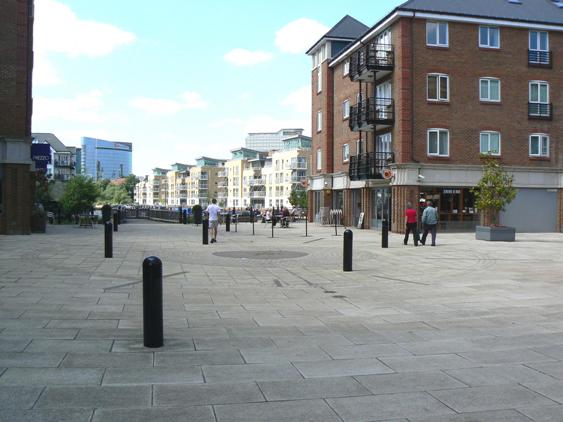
x: 161, y: 106
x: 299, y: 100
x: 298, y: 35
x: 81, y: 108
x: 44, y: 72
x: 243, y: 57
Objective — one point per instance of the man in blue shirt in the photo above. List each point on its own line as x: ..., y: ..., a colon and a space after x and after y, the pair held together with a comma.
x: 430, y: 222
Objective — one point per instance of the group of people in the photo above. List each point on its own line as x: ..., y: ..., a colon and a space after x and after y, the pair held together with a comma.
x: 429, y: 224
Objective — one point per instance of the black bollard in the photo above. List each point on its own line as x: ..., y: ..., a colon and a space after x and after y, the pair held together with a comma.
x: 152, y: 302
x: 228, y: 222
x: 306, y: 221
x: 120, y: 216
x: 205, y: 225
x: 185, y: 216
x: 236, y: 224
x: 108, y: 240
x: 384, y: 233
x: 106, y: 213
x: 348, y: 238
x: 253, y: 217
x: 115, y: 221
x: 273, y: 224
x: 180, y: 215
x: 335, y: 228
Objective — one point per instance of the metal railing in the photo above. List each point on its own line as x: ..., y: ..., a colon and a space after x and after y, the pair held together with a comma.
x: 369, y: 165
x: 543, y: 111
x: 371, y: 57
x: 374, y: 110
x: 540, y: 58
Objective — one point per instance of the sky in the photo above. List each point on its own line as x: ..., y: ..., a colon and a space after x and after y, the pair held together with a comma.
x: 178, y: 78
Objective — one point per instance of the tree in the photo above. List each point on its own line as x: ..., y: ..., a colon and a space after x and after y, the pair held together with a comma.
x: 80, y: 195
x: 115, y: 194
x: 494, y: 191
x: 298, y: 198
x: 130, y: 183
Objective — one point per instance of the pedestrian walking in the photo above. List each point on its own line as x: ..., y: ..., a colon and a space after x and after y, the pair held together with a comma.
x: 410, y: 215
x: 213, y: 211
x: 430, y: 222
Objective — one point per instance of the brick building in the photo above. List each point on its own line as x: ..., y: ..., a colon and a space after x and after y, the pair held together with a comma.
x: 405, y: 109
x: 16, y: 63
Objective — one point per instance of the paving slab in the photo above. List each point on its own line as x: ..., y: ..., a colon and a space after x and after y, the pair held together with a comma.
x: 203, y: 394
x: 179, y: 359
x: 107, y: 360
x: 30, y: 360
x: 406, y: 382
x: 65, y: 415
x: 81, y: 346
x: 313, y: 388
x: 543, y: 413
x: 184, y: 414
x: 492, y: 416
x: 250, y: 372
x: 341, y: 367
x: 51, y: 376
x: 120, y: 397
x: 162, y: 375
x: 18, y: 397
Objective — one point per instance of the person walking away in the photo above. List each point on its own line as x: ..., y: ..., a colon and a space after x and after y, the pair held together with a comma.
x: 410, y: 214
x: 430, y: 222
x: 213, y: 211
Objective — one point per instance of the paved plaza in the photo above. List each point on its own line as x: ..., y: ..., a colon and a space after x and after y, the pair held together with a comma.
x: 262, y: 329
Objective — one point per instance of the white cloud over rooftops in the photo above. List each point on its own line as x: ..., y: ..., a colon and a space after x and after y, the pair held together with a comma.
x: 161, y: 106
x: 298, y: 35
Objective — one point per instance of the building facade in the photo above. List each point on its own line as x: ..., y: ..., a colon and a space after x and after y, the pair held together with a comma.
x: 63, y: 163
x: 106, y: 159
x: 407, y: 109
x: 268, y: 141
x: 152, y: 190
x: 17, y: 184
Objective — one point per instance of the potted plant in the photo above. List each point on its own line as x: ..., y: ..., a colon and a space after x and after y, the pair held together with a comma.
x: 493, y: 192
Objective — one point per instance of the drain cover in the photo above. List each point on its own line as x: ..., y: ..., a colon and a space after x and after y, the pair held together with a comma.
x: 261, y: 254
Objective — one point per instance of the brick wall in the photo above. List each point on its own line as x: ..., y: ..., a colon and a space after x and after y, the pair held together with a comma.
x: 400, y: 196
x: 323, y: 101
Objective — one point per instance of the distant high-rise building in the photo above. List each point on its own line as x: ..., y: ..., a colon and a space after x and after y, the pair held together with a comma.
x: 106, y: 159
x: 268, y: 141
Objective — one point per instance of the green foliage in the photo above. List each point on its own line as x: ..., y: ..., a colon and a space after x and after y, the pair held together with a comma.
x: 42, y: 190
x: 115, y: 194
x: 80, y: 195
x: 103, y: 184
x: 494, y: 191
x: 298, y: 198
x: 130, y: 183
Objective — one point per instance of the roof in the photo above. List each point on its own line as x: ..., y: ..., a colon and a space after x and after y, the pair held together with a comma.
x: 348, y: 28
x: 52, y: 140
x: 537, y: 11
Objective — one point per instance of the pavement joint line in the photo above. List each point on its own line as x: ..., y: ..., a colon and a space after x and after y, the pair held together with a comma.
x: 401, y: 280
x: 314, y: 240
x: 140, y: 281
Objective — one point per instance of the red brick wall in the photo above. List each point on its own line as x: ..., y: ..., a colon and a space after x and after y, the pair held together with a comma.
x: 322, y: 101
x: 464, y: 115
x: 400, y: 196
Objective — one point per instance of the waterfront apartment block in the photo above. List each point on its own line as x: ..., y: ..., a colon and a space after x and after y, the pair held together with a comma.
x: 270, y: 141
x: 405, y: 110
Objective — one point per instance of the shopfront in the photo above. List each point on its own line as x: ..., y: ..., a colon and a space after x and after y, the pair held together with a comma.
x: 380, y: 206
x: 455, y: 205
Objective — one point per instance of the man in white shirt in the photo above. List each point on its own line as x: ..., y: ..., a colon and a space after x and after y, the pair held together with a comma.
x: 213, y: 211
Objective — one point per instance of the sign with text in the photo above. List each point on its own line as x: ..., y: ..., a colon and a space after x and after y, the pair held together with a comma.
x: 41, y: 155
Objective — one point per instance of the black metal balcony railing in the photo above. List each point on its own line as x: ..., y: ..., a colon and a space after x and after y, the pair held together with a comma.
x: 370, y: 58
x: 540, y: 58
x: 543, y: 111
x: 369, y: 165
x: 372, y: 111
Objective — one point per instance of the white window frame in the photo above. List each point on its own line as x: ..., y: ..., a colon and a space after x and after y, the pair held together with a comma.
x: 541, y: 137
x: 488, y: 79
x: 488, y: 45
x: 530, y: 91
x: 489, y: 133
x: 319, y: 120
x: 538, y: 47
x: 319, y: 159
x: 345, y: 153
x: 345, y: 109
x: 346, y: 68
x: 359, y: 147
x: 438, y: 90
x: 319, y: 79
x: 438, y: 23
x: 437, y: 131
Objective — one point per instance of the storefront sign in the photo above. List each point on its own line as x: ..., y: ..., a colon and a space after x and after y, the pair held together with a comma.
x: 41, y: 155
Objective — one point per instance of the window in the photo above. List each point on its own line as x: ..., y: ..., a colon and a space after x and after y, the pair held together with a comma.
x: 539, y: 47
x: 539, y: 145
x: 438, y: 87
x: 489, y: 143
x: 319, y: 79
x: 489, y: 37
x: 345, y: 152
x: 319, y: 121
x: 346, y: 109
x: 539, y: 100
x: 319, y: 159
x: 489, y: 89
x: 346, y: 68
x: 439, y: 142
x: 437, y: 34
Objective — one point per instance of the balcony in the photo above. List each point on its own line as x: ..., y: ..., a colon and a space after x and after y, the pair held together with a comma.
x: 540, y: 111
x: 222, y: 195
x: 372, y: 62
x: 372, y: 113
x: 222, y: 174
x: 298, y: 165
x: 369, y: 165
x: 258, y: 194
x: 203, y: 176
x: 257, y: 182
x: 298, y: 179
x: 222, y: 184
x: 539, y: 58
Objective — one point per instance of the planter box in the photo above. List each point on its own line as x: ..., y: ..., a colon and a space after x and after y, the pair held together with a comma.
x: 498, y: 234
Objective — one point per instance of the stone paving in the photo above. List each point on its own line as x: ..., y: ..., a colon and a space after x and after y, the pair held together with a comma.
x: 465, y: 331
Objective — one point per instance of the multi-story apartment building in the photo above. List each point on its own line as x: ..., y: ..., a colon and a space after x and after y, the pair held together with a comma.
x: 153, y: 189
x: 253, y: 187
x: 404, y: 111
x: 63, y: 165
x: 268, y: 141
x: 202, y: 184
x: 230, y: 183
x: 177, y: 180
x: 106, y: 159
x: 286, y: 170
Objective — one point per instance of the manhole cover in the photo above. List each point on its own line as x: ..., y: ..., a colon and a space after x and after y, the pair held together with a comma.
x: 261, y: 254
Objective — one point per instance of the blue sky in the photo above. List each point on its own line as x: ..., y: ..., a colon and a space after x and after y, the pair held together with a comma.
x: 178, y: 78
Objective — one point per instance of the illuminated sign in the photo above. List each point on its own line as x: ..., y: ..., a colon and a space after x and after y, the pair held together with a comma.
x: 41, y: 155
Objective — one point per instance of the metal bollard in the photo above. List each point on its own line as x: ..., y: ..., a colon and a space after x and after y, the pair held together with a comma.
x: 115, y: 221
x: 106, y: 213
x: 228, y: 222
x: 348, y: 240
x: 335, y: 224
x: 306, y: 221
x: 180, y: 215
x: 273, y: 224
x: 205, y: 228
x: 152, y: 302
x: 236, y: 224
x: 108, y: 240
x: 384, y: 233
x: 253, y: 217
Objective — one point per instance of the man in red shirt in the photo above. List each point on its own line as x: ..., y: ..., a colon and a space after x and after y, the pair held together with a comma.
x: 410, y: 214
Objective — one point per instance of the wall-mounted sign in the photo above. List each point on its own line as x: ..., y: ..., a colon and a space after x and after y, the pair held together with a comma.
x: 41, y: 155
